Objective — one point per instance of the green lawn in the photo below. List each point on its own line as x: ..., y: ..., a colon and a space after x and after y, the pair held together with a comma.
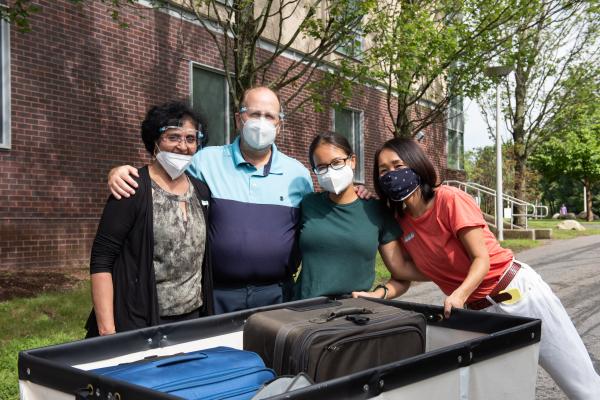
x: 517, y: 245
x: 591, y: 228
x: 381, y: 273
x: 36, y: 322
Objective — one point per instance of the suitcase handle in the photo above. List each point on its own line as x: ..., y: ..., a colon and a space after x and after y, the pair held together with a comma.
x: 180, y: 360
x: 341, y: 312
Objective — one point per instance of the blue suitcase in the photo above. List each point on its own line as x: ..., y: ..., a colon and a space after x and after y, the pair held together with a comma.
x: 217, y: 373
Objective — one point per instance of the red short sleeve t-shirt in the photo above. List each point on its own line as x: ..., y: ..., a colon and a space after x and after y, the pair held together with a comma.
x: 433, y: 243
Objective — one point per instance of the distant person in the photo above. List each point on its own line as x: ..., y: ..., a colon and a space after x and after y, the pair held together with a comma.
x: 444, y: 233
x: 149, y: 262
x: 341, y: 233
x: 563, y: 210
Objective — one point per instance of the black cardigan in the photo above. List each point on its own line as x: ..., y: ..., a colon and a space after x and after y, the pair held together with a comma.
x: 124, y: 246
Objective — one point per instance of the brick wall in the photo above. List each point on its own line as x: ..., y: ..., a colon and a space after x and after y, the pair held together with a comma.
x: 80, y: 88
x: 454, y: 174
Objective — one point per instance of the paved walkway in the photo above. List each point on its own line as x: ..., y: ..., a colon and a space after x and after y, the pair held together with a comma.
x: 572, y: 268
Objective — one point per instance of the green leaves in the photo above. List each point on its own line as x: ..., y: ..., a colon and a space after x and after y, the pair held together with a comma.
x: 19, y: 13
x: 573, y: 145
x: 434, y: 51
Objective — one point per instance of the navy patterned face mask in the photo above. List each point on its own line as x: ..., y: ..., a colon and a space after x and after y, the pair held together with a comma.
x: 400, y: 183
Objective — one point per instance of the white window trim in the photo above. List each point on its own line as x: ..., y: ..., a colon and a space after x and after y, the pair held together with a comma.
x: 360, y: 152
x: 460, y: 131
x: 359, y: 36
x: 458, y: 160
x: 194, y: 64
x: 6, y: 120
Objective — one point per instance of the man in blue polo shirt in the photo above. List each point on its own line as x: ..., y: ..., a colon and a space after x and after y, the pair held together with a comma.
x: 254, y: 212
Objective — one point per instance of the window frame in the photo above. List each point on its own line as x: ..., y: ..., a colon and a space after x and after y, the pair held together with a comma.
x: 195, y: 64
x: 459, y: 166
x: 359, y: 172
x: 5, y: 134
x: 455, y: 123
x: 355, y: 54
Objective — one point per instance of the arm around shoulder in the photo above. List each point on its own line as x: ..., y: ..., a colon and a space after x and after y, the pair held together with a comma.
x: 121, y: 182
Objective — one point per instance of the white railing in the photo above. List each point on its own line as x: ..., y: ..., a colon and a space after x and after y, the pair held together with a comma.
x: 486, y: 199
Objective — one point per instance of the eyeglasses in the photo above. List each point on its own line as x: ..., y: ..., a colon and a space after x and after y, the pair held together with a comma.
x: 178, y: 135
x: 254, y: 113
x: 337, y: 163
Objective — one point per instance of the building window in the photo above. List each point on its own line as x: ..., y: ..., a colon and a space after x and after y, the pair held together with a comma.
x: 455, y: 134
x: 455, y: 150
x: 353, y: 47
x: 210, y: 98
x: 350, y: 123
x: 5, y: 85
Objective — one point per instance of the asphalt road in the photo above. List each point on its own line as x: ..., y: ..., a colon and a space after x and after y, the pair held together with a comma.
x: 572, y: 268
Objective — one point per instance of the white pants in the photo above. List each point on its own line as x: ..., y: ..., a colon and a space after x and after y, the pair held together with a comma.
x: 562, y: 352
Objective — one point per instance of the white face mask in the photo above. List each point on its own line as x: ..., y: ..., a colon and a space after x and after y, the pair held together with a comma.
x: 336, y: 180
x: 173, y: 163
x: 259, y: 133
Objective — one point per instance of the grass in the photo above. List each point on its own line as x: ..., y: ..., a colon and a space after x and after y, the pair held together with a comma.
x: 591, y: 228
x: 37, y: 322
x: 517, y: 245
x: 381, y: 273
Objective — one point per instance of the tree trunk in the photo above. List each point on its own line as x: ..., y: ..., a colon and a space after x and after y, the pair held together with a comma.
x: 520, y: 187
x: 588, y: 193
x: 519, y: 149
x: 245, y: 45
x: 403, y: 126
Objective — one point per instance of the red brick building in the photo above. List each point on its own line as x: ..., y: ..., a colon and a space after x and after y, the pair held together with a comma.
x: 74, y: 91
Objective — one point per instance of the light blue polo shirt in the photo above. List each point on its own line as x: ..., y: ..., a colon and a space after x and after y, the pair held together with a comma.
x: 254, y: 213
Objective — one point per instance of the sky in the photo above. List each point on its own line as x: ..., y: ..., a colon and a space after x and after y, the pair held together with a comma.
x: 476, y: 134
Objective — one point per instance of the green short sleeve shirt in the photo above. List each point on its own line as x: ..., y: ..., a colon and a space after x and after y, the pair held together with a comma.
x: 339, y: 242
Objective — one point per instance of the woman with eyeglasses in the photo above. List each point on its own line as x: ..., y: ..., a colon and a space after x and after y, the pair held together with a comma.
x: 150, y: 262
x: 449, y: 241
x: 341, y: 233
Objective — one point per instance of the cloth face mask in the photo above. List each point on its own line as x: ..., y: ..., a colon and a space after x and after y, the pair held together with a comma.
x: 173, y: 163
x: 259, y: 133
x: 336, y: 180
x: 400, y: 183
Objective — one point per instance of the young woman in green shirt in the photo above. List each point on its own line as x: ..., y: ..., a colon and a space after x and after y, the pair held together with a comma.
x: 341, y: 233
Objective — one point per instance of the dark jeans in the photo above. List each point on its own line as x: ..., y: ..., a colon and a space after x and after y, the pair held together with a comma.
x: 229, y: 299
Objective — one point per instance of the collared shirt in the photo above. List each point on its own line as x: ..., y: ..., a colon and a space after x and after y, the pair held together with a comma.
x: 254, y: 213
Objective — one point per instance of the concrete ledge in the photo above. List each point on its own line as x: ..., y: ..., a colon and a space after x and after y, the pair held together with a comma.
x: 543, y: 234
x: 519, y: 234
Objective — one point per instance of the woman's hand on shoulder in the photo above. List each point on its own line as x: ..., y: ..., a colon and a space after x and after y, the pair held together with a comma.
x: 364, y: 193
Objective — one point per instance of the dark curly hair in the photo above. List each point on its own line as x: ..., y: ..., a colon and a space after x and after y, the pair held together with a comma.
x: 169, y: 114
x: 413, y: 157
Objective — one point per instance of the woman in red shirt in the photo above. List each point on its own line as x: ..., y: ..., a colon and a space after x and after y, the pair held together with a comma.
x: 450, y: 243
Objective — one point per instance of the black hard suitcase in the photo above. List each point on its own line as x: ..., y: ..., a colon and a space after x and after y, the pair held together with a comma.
x: 334, y: 339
